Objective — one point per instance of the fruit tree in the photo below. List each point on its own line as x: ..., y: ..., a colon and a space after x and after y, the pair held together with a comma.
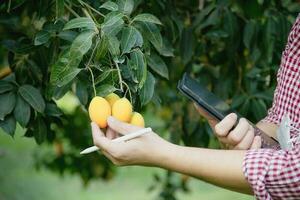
x: 130, y: 54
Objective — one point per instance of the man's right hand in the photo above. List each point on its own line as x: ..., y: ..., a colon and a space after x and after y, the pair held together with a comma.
x: 241, y: 137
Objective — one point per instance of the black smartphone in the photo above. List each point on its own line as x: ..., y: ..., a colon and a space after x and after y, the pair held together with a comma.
x: 215, y: 106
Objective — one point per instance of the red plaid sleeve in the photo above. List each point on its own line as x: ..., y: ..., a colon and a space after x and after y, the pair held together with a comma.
x: 275, y: 174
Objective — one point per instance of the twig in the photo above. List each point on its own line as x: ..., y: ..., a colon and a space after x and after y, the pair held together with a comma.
x: 89, y: 15
x: 92, y: 55
x: 90, y: 7
x: 93, y: 81
x: 128, y: 89
x: 201, y: 4
x: 8, y: 6
x: 72, y: 11
x: 120, y: 77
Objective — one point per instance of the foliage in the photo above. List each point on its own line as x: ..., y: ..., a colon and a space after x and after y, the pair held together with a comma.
x: 96, y: 47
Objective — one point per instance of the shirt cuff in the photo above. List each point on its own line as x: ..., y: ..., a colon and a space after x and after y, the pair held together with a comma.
x: 256, y: 165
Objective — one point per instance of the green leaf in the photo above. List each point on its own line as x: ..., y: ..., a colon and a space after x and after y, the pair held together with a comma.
x: 59, y: 8
x: 67, y: 76
x: 259, y: 108
x: 80, y: 22
x: 8, y: 101
x: 158, y: 65
x: 126, y: 6
x: 59, y: 92
x: 102, y: 48
x: 112, y: 24
x: 187, y: 45
x: 40, y: 131
x: 147, y: 91
x: 82, y: 92
x: 82, y: 43
x: 54, y: 27
x: 8, y: 125
x: 5, y: 86
x: 238, y: 100
x: 68, y: 35
x: 127, y: 73
x: 42, y: 37
x: 33, y: 97
x: 152, y: 33
x: 65, y: 69
x: 139, y: 38
x: 114, y: 45
x: 22, y: 111
x: 105, y: 89
x: 128, y: 40
x: 146, y: 17
x: 249, y: 33
x: 52, y: 110
x: 109, y: 5
x: 104, y: 75
x: 166, y: 49
x: 138, y: 60
x: 245, y: 109
x: 64, y: 63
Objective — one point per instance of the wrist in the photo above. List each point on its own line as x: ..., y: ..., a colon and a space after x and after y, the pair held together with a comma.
x: 165, y: 155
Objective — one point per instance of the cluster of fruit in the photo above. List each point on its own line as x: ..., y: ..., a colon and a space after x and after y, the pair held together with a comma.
x: 112, y: 105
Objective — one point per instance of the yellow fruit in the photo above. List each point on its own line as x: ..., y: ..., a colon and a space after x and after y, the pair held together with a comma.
x: 122, y: 110
x: 99, y: 111
x: 137, y: 120
x: 112, y: 98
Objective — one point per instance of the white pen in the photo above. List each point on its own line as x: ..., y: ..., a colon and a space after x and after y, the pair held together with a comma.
x: 120, y: 139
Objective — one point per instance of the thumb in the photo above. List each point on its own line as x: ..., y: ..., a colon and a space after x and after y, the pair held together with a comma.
x: 121, y: 127
x: 256, y: 144
x: 98, y: 137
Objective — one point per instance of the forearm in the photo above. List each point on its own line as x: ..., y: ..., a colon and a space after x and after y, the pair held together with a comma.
x: 268, y: 128
x: 219, y: 167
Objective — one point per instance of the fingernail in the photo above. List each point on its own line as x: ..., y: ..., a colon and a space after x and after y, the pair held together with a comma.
x: 111, y: 119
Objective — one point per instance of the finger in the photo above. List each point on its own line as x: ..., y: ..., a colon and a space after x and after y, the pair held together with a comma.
x: 107, y: 155
x: 121, y: 127
x: 98, y: 137
x: 256, y: 143
x: 110, y: 133
x: 246, y: 141
x: 239, y: 132
x: 224, y: 126
x: 202, y: 111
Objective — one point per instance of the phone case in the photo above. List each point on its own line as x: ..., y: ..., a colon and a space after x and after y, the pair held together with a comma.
x: 215, y: 106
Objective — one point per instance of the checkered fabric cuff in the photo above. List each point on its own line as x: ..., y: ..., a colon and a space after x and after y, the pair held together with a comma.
x: 255, y: 167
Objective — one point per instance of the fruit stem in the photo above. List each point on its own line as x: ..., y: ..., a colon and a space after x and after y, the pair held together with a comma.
x: 128, y: 89
x: 93, y: 52
x: 120, y: 77
x: 93, y: 81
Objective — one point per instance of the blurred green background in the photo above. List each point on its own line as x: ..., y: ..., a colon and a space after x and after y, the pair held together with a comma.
x: 19, y: 179
x: 231, y: 46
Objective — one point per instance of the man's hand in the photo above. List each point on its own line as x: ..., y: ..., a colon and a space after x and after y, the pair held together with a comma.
x: 241, y: 137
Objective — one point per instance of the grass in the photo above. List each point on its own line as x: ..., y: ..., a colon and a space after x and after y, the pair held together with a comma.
x: 19, y: 180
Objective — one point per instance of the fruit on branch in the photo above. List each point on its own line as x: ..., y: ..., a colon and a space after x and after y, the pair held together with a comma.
x: 137, y: 119
x: 112, y: 98
x: 99, y: 111
x: 122, y: 110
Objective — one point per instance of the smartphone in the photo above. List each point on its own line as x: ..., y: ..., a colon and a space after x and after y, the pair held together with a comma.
x: 215, y: 106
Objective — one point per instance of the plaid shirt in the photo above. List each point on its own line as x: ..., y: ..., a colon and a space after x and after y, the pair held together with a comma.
x: 275, y: 174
